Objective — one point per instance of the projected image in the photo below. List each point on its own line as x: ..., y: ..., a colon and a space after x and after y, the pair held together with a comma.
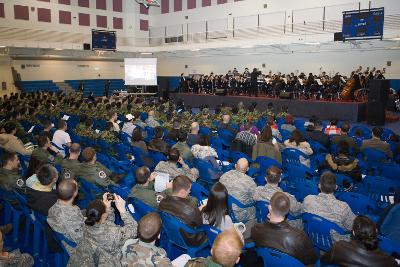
x: 140, y: 71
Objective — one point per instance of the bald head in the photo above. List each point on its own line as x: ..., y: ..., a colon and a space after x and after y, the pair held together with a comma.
x: 67, y: 190
x: 151, y: 113
x: 149, y: 227
x: 227, y: 248
x: 242, y: 165
x: 195, y: 127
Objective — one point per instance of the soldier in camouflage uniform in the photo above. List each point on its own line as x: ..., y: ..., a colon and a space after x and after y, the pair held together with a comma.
x: 9, y: 176
x: 93, y: 171
x: 14, y: 258
x: 102, y: 239
x: 225, y: 251
x: 71, y: 166
x: 86, y: 129
x: 109, y: 135
x: 241, y: 187
x: 327, y: 206
x: 265, y: 193
x: 142, y: 251
x: 172, y: 169
x: 64, y: 217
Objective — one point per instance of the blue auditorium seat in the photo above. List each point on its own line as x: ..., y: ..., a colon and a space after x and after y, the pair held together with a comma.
x: 275, y: 258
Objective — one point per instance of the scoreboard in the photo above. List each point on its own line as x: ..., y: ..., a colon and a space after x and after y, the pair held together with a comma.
x: 363, y: 24
x: 104, y: 40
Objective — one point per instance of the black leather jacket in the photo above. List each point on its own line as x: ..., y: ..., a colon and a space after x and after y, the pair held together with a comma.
x: 354, y: 254
x: 286, y: 239
x: 184, y: 210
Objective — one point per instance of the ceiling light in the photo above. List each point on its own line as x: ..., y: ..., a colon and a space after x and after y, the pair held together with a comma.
x: 394, y: 39
x: 195, y: 49
x: 247, y: 46
x: 312, y: 43
x: 58, y: 49
x: 146, y: 53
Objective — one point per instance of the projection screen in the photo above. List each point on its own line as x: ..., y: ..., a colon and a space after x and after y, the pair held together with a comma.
x: 141, y: 71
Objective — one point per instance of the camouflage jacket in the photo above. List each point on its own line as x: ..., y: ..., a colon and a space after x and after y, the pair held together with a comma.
x: 140, y: 254
x: 101, y: 243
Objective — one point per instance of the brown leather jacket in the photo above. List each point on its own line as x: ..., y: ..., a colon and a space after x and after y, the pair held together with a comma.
x: 353, y: 254
x: 286, y: 239
x: 184, y: 210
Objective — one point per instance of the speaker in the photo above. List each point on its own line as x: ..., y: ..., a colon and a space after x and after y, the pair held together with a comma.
x: 378, y: 91
x: 376, y: 113
x: 377, y: 99
x: 285, y: 95
x: 86, y: 46
x: 337, y: 36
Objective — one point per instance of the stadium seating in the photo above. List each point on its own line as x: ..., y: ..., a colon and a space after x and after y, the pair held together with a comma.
x: 35, y: 86
x: 96, y: 86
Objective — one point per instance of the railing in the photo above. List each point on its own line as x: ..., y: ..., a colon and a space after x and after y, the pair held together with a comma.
x: 318, y: 20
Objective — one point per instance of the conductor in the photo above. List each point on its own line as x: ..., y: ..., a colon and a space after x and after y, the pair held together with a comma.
x: 253, y: 82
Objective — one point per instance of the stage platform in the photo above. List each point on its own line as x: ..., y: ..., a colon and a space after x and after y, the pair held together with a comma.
x: 326, y: 110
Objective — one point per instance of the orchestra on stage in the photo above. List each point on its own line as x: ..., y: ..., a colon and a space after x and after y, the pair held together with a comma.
x: 289, y: 86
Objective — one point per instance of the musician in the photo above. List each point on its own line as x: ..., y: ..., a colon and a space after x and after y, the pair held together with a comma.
x: 183, y: 84
x: 194, y: 84
x: 246, y: 72
x: 253, y: 82
x: 235, y: 71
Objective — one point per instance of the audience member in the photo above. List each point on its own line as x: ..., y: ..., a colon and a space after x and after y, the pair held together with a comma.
x: 64, y: 217
x: 376, y: 143
x: 314, y: 133
x: 342, y: 162
x: 103, y: 240
x: 267, y: 146
x: 362, y: 250
x: 42, y: 195
x: 9, y: 176
x: 48, y: 129
x: 158, y: 144
x: 61, y: 138
x: 179, y: 205
x: 327, y: 206
x: 13, y: 258
x: 151, y: 121
x: 173, y: 133
x: 265, y: 193
x: 128, y: 126
x: 297, y: 141
x: 288, y: 125
x: 138, y: 121
x: 332, y: 128
x: 183, y: 147
x: 143, y: 251
x: 193, y: 137
x: 344, y: 131
x: 225, y: 251
x: 241, y: 187
x: 171, y: 166
x: 226, y: 124
x: 205, y: 152
x: 113, y: 119
x: 216, y: 211
x: 71, y: 165
x: 138, y: 140
x: 144, y: 188
x: 246, y: 136
x: 109, y: 134
x: 278, y: 234
x: 10, y: 142
x: 95, y: 172
x: 41, y: 153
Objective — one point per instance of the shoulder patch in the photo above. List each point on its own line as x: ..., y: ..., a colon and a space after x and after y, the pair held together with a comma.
x: 102, y: 175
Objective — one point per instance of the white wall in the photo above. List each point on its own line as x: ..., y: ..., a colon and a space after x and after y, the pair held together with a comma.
x: 6, y: 75
x: 331, y: 62
x: 59, y: 70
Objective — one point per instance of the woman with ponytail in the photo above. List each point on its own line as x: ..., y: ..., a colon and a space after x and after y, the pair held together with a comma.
x: 102, y: 239
x: 362, y: 250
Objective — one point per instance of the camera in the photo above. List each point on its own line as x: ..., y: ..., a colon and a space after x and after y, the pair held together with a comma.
x: 110, y: 197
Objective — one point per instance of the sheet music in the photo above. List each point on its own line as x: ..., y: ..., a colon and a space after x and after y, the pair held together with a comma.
x: 319, y: 81
x: 161, y: 181
x: 301, y: 81
x: 343, y: 80
x: 65, y: 117
x: 31, y: 129
x: 181, y: 260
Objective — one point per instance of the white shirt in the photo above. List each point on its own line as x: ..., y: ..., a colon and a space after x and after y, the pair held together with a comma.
x: 61, y: 138
x: 116, y: 127
x: 128, y: 128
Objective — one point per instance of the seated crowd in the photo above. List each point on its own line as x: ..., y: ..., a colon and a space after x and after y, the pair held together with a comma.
x: 107, y: 232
